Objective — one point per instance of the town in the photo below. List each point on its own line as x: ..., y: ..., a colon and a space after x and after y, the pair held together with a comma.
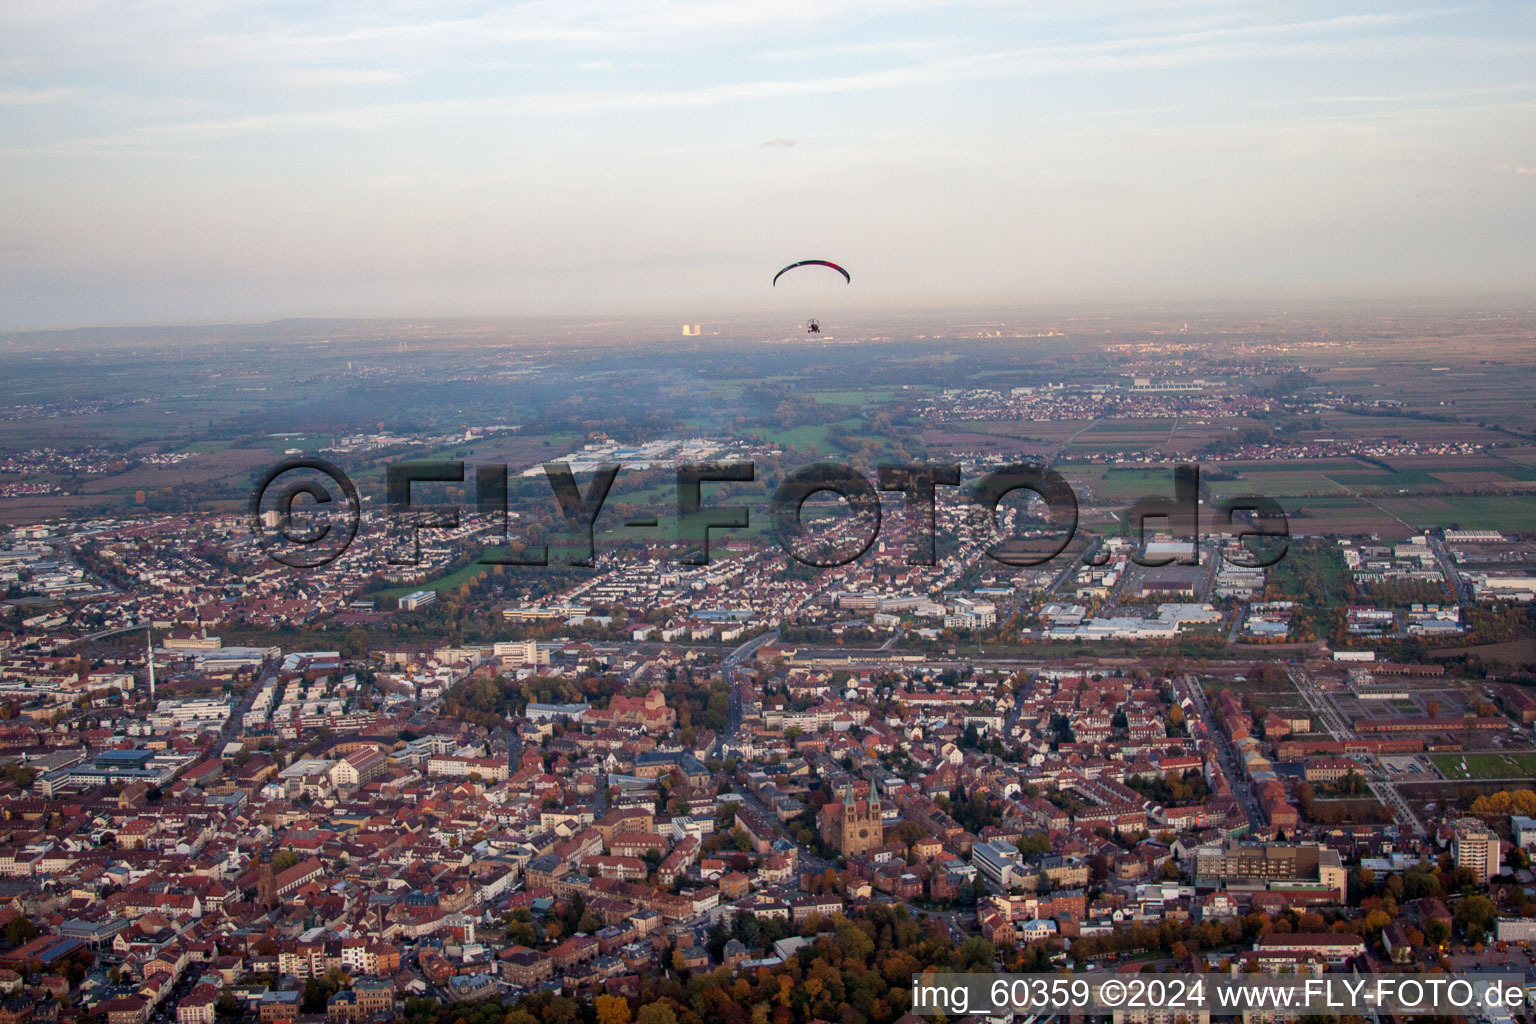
x: 759, y: 786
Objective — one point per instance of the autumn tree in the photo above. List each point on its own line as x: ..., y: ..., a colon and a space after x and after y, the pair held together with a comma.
x: 612, y: 1010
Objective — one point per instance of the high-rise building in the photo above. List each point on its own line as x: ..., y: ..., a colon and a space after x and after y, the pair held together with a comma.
x: 1475, y: 846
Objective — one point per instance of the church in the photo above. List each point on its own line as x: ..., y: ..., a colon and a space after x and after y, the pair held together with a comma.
x: 852, y: 825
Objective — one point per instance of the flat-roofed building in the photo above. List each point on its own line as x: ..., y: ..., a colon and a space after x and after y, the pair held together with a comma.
x: 1000, y: 863
x: 1332, y: 947
x: 1219, y: 865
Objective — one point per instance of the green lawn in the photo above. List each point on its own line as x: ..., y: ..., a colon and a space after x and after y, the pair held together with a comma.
x: 452, y: 580
x: 1486, y: 766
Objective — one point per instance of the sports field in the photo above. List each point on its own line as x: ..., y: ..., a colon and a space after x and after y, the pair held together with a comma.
x: 1486, y: 766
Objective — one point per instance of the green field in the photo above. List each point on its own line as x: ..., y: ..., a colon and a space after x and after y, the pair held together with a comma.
x: 1147, y: 426
x: 807, y: 437
x: 1314, y: 572
x: 1278, y: 483
x: 1341, y: 501
x: 1521, y: 765
x: 1507, y: 470
x: 1516, y: 513
x: 1384, y: 481
x: 1294, y: 466
x: 1117, y: 484
x: 869, y: 397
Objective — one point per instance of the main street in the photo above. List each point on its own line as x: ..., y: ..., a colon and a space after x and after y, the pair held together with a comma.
x: 729, y: 667
x: 1226, y: 754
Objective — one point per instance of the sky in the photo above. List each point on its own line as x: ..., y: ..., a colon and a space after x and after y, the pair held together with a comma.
x: 223, y: 160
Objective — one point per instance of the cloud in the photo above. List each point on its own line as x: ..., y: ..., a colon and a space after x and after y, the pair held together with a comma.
x: 27, y: 97
x: 908, y: 47
x: 308, y: 78
x: 781, y: 143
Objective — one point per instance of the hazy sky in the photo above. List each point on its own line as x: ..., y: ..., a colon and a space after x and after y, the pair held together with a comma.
x: 218, y: 159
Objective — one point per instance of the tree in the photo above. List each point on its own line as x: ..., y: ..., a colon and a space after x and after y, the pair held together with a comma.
x: 1034, y: 843
x: 562, y: 1010
x: 1420, y: 881
x: 1474, y: 915
x: 356, y: 643
x: 1504, y: 803
x: 20, y: 931
x: 656, y: 1013
x: 316, y: 994
x: 21, y: 776
x: 975, y: 952
x: 612, y: 1010
x: 1436, y: 932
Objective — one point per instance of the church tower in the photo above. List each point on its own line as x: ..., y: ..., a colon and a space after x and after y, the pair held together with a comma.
x: 266, y: 880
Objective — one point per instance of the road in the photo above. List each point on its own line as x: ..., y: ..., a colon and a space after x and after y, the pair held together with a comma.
x: 1321, y: 704
x: 748, y: 649
x: 102, y: 635
x: 1212, y: 554
x: 1448, y: 570
x: 1226, y: 754
x: 1070, y: 573
x: 729, y: 666
x: 234, y: 726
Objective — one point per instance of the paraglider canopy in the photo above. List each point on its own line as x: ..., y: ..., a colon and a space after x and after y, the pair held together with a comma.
x: 812, y: 263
